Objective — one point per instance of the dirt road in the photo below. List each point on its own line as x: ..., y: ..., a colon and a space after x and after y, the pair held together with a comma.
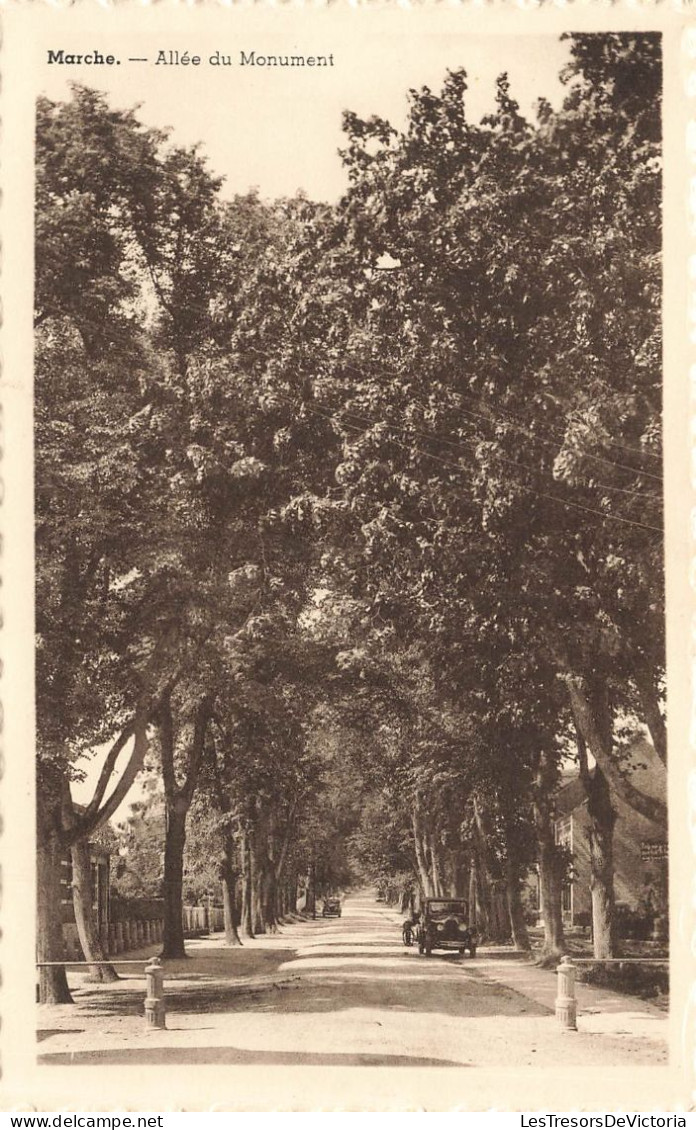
x: 342, y: 992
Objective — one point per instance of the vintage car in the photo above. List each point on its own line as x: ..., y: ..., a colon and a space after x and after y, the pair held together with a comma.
x: 444, y: 925
x: 331, y: 908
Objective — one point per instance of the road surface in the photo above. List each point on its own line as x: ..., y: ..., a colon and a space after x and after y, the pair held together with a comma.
x: 345, y: 992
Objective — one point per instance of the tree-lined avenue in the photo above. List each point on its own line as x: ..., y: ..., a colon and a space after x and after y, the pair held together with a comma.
x: 345, y: 992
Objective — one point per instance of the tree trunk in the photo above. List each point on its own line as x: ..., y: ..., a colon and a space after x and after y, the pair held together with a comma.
x: 420, y: 843
x: 309, y: 886
x: 174, y: 842
x: 178, y: 799
x: 588, y: 702
x: 268, y: 899
x: 229, y: 899
x: 482, y: 896
x: 473, y: 894
x: 500, y: 916
x: 421, y: 865
x: 551, y: 866
x: 83, y: 903
x: 602, y: 820
x: 551, y: 882
x: 53, y: 982
x: 601, y: 841
x: 492, y: 888
x: 518, y: 925
x: 247, y: 921
x: 280, y: 904
x: 434, y: 856
x: 517, y: 865
x: 460, y: 875
x: 257, y: 879
x: 645, y: 682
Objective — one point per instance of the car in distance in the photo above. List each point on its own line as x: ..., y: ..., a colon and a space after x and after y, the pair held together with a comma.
x: 444, y: 925
x: 331, y: 908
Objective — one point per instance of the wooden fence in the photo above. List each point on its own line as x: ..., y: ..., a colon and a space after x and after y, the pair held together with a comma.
x: 136, y: 933
x: 203, y: 919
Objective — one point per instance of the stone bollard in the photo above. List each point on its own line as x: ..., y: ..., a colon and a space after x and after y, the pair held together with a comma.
x: 566, y: 1004
x: 155, y: 1013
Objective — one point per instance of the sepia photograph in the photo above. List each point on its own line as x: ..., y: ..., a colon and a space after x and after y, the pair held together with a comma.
x: 350, y: 674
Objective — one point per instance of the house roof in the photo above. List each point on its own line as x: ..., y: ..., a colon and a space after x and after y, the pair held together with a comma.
x: 642, y: 766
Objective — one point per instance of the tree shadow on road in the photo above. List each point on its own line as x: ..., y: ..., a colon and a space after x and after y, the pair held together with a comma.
x: 361, y: 986
x: 413, y: 993
x: 237, y: 1056
x: 213, y: 975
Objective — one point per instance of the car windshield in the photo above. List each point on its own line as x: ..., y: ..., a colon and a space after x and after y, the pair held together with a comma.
x: 447, y: 908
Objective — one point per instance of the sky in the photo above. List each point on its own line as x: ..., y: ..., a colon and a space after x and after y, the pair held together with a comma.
x: 280, y: 130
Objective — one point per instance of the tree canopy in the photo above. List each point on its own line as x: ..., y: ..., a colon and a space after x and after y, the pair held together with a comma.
x: 355, y: 511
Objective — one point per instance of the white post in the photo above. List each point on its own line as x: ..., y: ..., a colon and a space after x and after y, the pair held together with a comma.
x: 155, y: 1016
x: 566, y: 1004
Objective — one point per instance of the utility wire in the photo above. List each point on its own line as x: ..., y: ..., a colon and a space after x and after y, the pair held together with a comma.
x: 457, y: 467
x: 493, y: 421
x: 366, y: 421
x: 512, y: 417
x: 501, y: 458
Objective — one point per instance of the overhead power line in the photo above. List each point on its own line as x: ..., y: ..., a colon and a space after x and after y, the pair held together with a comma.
x: 605, y: 516
x: 514, y: 463
x: 366, y: 421
x: 514, y: 421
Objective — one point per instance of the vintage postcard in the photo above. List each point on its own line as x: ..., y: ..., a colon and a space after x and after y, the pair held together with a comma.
x: 346, y: 558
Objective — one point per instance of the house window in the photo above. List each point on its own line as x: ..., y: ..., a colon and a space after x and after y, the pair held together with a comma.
x: 564, y: 832
x: 564, y: 839
x: 567, y: 898
x: 66, y: 879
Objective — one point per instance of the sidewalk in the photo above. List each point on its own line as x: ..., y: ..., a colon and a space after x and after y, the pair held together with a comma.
x: 599, y: 1010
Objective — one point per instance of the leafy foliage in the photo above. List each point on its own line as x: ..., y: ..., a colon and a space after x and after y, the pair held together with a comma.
x: 368, y: 493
